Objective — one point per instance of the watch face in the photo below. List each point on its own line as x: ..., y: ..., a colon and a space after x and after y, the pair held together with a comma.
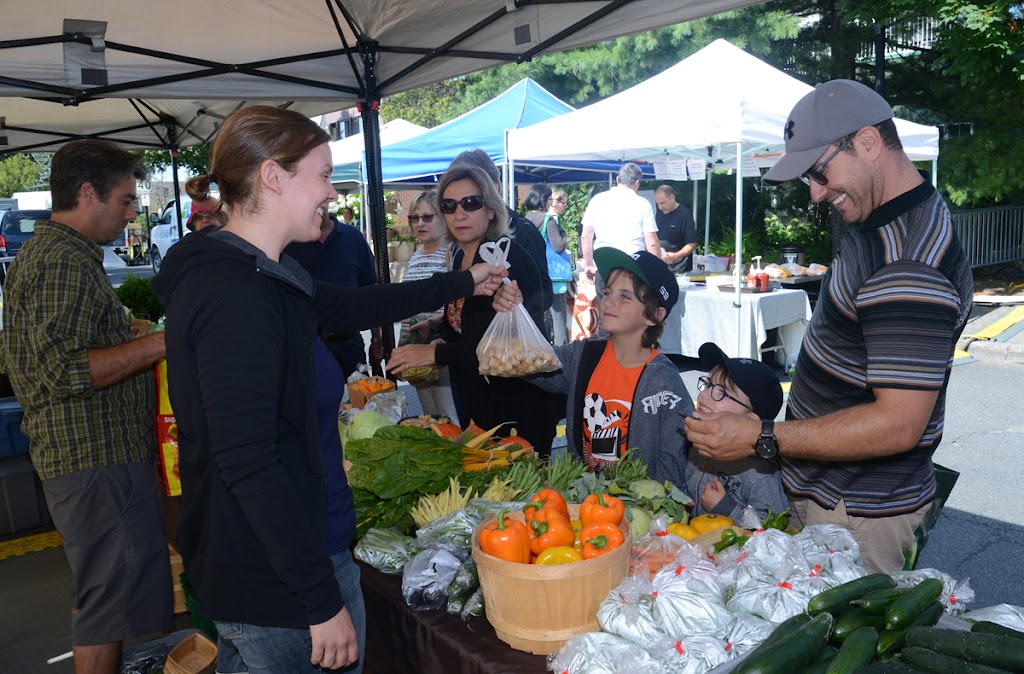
x: 766, y: 448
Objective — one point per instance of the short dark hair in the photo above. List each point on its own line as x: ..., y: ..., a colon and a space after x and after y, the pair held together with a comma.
x: 481, y: 160
x: 101, y: 163
x: 665, y: 189
x: 537, y: 198
x: 890, y: 137
x: 644, y: 293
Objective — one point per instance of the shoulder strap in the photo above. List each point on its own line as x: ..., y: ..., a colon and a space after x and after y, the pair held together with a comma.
x: 544, y: 225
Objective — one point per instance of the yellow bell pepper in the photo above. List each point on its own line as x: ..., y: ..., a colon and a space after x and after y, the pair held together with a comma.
x: 684, y: 531
x: 559, y: 554
x: 710, y: 522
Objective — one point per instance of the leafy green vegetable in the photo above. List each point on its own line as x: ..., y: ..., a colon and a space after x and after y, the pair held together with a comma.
x: 400, y: 460
x: 372, y: 511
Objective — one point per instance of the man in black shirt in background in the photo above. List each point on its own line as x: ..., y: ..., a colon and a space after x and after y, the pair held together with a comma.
x: 676, y: 230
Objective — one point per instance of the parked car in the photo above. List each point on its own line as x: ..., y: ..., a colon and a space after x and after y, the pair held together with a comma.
x: 164, y: 232
x: 17, y: 227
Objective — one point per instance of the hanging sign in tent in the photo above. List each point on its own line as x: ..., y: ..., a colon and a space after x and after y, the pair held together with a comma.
x: 679, y: 169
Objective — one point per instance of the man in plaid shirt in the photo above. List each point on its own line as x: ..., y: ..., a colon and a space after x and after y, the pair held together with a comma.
x: 85, y: 382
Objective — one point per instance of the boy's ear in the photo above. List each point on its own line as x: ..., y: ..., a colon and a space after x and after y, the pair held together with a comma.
x: 660, y: 313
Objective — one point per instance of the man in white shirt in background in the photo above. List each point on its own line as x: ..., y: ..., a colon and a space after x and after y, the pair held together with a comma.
x: 619, y: 218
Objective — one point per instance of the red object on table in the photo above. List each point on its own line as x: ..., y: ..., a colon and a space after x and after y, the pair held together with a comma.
x: 762, y: 282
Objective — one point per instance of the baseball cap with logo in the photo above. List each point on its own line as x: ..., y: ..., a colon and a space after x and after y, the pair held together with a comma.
x: 754, y: 378
x: 650, y: 269
x: 833, y: 110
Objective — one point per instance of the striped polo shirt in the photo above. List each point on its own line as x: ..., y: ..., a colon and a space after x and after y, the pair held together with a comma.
x: 892, y: 307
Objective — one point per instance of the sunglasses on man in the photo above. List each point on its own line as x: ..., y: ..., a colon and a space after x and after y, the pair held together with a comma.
x: 817, y: 174
x: 469, y: 204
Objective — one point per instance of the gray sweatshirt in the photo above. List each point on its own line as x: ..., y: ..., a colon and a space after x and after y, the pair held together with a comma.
x: 755, y: 482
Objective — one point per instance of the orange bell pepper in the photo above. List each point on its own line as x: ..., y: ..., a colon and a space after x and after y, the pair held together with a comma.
x: 600, y: 538
x: 548, y: 529
x: 602, y: 508
x: 506, y: 539
x: 546, y: 498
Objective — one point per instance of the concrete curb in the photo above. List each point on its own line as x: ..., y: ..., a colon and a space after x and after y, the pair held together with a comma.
x: 1008, y: 352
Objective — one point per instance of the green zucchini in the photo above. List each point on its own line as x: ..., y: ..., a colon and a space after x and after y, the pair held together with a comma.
x: 902, y: 612
x: 986, y: 627
x: 930, y: 661
x: 878, y: 601
x: 791, y: 653
x: 857, y: 650
x: 891, y: 641
x: 838, y: 599
x: 785, y: 628
x: 819, y: 666
x: 993, y: 650
x: 851, y: 621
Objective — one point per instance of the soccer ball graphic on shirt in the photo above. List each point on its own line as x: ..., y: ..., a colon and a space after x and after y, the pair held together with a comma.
x: 604, y: 441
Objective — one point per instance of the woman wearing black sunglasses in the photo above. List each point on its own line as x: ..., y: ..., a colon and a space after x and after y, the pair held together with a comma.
x: 474, y: 214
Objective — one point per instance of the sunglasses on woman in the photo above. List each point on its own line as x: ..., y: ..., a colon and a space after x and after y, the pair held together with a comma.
x: 427, y: 218
x: 469, y: 204
x: 818, y: 174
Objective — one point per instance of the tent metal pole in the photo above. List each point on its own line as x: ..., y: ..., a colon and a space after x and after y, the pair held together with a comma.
x: 369, y: 108
x: 707, y: 204
x: 738, y: 276
x: 935, y: 173
x: 693, y: 210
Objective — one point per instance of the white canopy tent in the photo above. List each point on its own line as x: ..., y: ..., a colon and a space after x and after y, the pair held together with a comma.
x: 348, y: 154
x: 721, y: 105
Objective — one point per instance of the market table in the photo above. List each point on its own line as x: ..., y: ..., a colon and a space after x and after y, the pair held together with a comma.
x: 705, y: 314
x: 400, y: 640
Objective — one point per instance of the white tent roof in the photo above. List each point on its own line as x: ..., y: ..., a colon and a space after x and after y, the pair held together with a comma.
x: 138, y: 70
x: 350, y: 149
x: 716, y: 98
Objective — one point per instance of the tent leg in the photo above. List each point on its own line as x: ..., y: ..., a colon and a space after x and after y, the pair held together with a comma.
x: 172, y: 142
x: 707, y: 205
x: 693, y: 210
x: 738, y: 275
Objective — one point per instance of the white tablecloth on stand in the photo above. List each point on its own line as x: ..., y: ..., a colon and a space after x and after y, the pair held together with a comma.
x: 708, y: 315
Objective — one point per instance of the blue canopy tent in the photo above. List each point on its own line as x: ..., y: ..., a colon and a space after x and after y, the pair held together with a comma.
x: 422, y: 160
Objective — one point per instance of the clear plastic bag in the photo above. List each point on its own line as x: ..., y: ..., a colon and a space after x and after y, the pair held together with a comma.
x: 655, y: 549
x: 780, y: 596
x: 738, y: 569
x: 386, y: 550
x: 392, y: 404
x: 628, y: 612
x: 956, y: 595
x: 1006, y: 615
x: 832, y: 550
x: 600, y: 653
x: 426, y: 578
x: 744, y: 633
x: 513, y: 345
x: 690, y: 655
x: 690, y: 599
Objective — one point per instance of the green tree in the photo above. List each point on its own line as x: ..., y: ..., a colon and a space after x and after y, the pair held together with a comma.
x: 19, y: 173
x: 194, y: 158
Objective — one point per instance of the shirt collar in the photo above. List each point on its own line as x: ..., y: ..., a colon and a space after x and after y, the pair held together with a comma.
x: 892, y: 209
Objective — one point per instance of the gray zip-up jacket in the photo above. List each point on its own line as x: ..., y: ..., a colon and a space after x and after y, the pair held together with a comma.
x: 753, y: 482
x: 660, y: 404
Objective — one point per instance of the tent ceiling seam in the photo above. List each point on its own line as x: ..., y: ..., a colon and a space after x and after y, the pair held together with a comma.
x: 574, y: 28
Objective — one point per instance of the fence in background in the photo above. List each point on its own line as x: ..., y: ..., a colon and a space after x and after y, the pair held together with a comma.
x: 991, y: 235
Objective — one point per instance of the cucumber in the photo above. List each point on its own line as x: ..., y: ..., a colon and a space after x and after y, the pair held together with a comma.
x: 785, y: 628
x: 930, y: 661
x: 838, y: 599
x: 457, y: 602
x: 878, y: 601
x: 851, y: 621
x: 887, y: 668
x: 891, y: 641
x: 901, y: 613
x: 791, y: 653
x: 986, y: 627
x: 993, y: 650
x: 819, y: 666
x: 858, y: 650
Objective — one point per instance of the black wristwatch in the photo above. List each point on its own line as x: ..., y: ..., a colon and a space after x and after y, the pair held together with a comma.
x: 767, y: 446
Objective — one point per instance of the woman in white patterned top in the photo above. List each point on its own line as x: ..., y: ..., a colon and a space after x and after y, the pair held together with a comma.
x: 433, y: 255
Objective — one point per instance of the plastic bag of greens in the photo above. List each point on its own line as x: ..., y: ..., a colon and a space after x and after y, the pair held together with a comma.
x: 744, y: 633
x: 689, y: 602
x: 780, y: 596
x: 426, y: 578
x: 628, y: 611
x: 386, y: 550
x: 478, y: 509
x: 956, y: 595
x: 833, y: 549
x: 738, y: 569
x: 689, y: 655
x: 600, y: 653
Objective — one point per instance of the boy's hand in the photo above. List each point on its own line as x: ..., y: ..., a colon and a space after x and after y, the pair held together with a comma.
x: 723, y: 436
x: 712, y: 494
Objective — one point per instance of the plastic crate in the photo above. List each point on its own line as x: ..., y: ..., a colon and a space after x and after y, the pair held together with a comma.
x: 12, y: 441
x: 22, y: 503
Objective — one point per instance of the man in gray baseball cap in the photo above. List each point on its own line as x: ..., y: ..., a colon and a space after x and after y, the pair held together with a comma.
x: 867, y: 404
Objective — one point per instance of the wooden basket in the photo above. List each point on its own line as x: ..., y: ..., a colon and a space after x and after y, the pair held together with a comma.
x: 194, y: 655
x: 176, y: 569
x: 536, y: 608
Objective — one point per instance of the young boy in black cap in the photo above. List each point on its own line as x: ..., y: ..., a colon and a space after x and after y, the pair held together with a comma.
x: 742, y: 386
x: 622, y: 392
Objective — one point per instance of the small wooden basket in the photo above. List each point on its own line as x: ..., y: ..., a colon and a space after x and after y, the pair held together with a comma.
x: 194, y: 655
x: 536, y: 608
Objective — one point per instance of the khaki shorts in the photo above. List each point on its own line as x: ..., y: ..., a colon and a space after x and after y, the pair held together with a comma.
x: 882, y: 540
x: 113, y: 531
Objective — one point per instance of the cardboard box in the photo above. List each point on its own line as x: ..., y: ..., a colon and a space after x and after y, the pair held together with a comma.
x: 359, y: 398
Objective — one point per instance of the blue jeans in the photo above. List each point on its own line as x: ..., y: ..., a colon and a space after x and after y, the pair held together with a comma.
x: 272, y: 650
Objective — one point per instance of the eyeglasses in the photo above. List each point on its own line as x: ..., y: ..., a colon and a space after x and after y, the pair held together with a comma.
x: 818, y: 174
x: 469, y: 204
x: 427, y: 218
x: 718, y: 392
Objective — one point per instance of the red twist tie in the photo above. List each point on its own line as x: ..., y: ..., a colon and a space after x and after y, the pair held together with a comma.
x: 654, y: 594
x: 743, y: 555
x: 816, y: 570
x: 952, y: 599
x: 661, y: 533
x: 831, y: 552
x: 728, y: 646
x: 786, y: 586
x: 679, y: 648
x: 760, y: 531
x: 680, y: 569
